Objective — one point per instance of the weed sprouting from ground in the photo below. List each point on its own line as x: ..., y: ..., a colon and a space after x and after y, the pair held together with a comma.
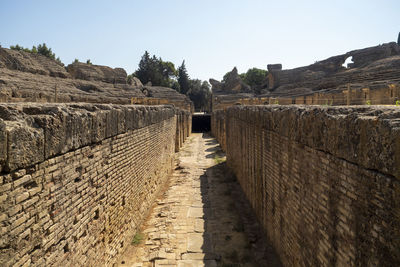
x: 219, y: 159
x: 137, y: 239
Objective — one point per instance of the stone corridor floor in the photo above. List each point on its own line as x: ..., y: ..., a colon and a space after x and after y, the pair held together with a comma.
x: 201, y: 219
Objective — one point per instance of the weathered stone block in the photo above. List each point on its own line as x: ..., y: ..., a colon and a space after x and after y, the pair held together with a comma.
x: 129, y: 118
x: 25, y: 145
x: 99, y: 121
x: 121, y: 123
x: 3, y: 144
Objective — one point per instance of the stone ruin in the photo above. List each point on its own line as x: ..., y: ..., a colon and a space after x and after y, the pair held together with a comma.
x: 28, y: 77
x: 78, y: 179
x: 60, y: 160
x: 373, y: 76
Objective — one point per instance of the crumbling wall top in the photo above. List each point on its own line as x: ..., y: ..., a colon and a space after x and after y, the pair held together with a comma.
x: 366, y: 136
x: 32, y: 132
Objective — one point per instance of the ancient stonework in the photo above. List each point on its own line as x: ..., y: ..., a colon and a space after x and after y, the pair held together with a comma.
x: 28, y: 77
x: 29, y: 62
x: 323, y: 181
x: 372, y: 78
x: 76, y: 180
x: 91, y: 72
x: 233, y: 84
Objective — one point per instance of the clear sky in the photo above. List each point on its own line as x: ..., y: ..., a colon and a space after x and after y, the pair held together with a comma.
x: 212, y: 36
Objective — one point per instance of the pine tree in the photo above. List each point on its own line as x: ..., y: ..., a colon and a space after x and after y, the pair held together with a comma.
x: 183, y: 78
x: 144, y: 67
x: 45, y: 51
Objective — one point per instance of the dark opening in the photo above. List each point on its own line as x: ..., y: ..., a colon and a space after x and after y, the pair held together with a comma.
x: 201, y: 123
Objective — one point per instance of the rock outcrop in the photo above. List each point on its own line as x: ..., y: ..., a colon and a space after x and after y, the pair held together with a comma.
x: 216, y: 85
x: 28, y: 77
x: 370, y: 64
x: 134, y: 82
x: 373, y: 77
x: 232, y: 84
x: 89, y: 72
x: 30, y: 62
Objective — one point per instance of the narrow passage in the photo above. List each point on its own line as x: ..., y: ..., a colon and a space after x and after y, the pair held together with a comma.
x: 202, y: 219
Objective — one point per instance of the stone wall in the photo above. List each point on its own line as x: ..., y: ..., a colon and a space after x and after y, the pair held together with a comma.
x: 77, y: 180
x: 29, y: 77
x: 323, y: 181
x: 183, y: 127
x: 379, y: 93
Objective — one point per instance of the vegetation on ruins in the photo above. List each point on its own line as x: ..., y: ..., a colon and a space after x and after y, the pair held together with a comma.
x: 155, y: 70
x: 163, y: 73
x: 200, y: 93
x: 183, y: 79
x: 137, y: 239
x: 40, y: 49
x: 219, y: 159
x: 254, y: 77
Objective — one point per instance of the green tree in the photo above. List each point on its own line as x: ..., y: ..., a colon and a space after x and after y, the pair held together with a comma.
x: 40, y: 49
x: 183, y: 78
x: 16, y: 47
x: 45, y: 51
x: 88, y: 62
x: 156, y: 71
x: 175, y: 85
x: 200, y: 94
x: 143, y: 72
x: 255, y: 77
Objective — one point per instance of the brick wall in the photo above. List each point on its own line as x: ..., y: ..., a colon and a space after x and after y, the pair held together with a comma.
x: 77, y: 180
x: 183, y: 127
x: 383, y: 93
x: 218, y: 129
x: 324, y: 182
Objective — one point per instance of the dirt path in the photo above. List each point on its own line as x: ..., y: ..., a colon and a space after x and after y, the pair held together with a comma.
x: 202, y: 219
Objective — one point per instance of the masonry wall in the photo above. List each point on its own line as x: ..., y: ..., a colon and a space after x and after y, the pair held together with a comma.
x: 183, y: 127
x: 380, y: 93
x: 324, y: 182
x: 77, y: 180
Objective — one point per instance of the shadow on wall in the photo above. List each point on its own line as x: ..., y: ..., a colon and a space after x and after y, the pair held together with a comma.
x: 231, y: 235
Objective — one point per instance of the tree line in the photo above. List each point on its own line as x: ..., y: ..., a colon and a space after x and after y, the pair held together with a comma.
x: 154, y: 70
x: 41, y: 49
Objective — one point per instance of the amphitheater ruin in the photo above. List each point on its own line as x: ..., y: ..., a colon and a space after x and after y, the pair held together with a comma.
x: 98, y: 172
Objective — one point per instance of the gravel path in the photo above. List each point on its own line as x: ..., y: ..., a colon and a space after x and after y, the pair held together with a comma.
x: 202, y: 219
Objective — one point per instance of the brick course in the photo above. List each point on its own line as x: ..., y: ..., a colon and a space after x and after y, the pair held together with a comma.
x: 85, y: 194
x: 324, y: 182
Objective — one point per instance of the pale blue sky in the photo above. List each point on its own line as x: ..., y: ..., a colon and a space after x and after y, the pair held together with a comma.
x: 212, y: 36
